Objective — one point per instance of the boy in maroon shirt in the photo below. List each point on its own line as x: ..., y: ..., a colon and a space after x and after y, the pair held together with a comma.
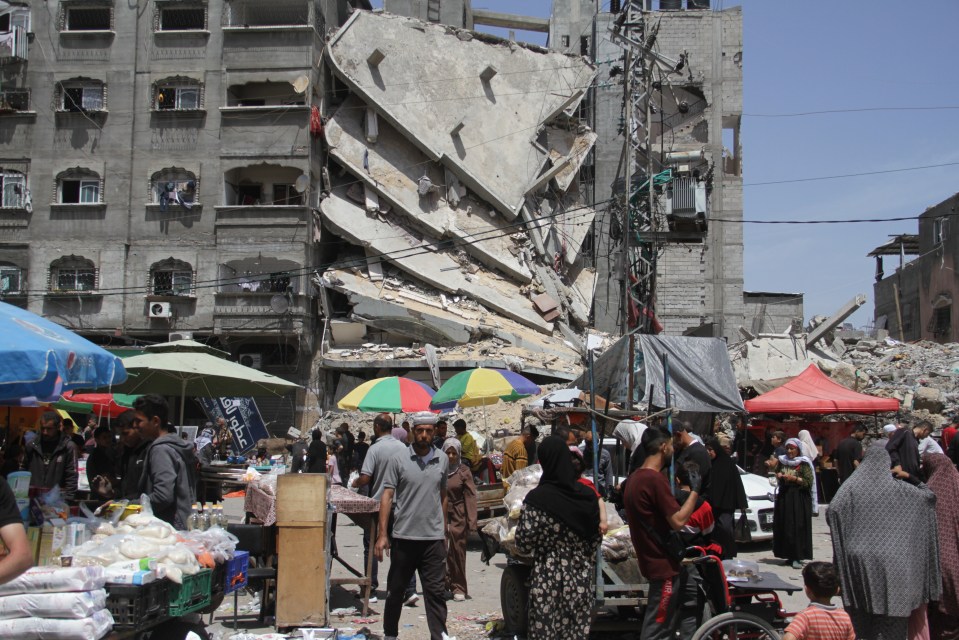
x: 653, y: 514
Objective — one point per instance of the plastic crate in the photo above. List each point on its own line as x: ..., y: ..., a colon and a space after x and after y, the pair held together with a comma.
x: 193, y: 595
x: 236, y: 570
x: 138, y: 607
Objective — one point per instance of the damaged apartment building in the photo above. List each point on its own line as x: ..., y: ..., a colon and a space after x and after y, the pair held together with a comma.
x: 453, y: 214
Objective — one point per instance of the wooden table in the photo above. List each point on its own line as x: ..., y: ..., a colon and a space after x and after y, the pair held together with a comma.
x: 364, y: 512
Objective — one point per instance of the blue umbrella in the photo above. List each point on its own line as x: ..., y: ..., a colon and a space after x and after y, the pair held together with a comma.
x: 41, y: 359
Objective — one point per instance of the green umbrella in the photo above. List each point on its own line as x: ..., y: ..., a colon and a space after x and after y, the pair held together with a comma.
x: 171, y: 372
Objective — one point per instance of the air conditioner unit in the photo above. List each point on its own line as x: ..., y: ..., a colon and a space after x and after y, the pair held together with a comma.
x: 252, y: 360
x: 180, y: 335
x: 160, y: 310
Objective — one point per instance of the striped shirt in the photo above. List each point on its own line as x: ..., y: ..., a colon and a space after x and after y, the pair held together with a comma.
x: 822, y: 622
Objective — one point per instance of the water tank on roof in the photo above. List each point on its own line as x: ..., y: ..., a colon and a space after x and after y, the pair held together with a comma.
x: 670, y: 5
x: 694, y: 5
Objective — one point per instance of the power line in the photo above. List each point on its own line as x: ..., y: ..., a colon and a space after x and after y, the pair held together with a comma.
x: 852, y: 175
x: 798, y: 114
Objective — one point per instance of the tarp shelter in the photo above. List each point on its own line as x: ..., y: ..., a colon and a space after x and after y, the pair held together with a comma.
x: 700, y: 375
x: 813, y: 392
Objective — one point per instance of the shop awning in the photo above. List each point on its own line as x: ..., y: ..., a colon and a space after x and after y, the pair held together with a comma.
x: 813, y: 392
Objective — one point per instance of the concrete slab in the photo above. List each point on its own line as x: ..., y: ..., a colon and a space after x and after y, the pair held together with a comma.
x: 395, y: 166
x: 571, y: 147
x: 426, y: 262
x: 431, y: 76
x: 423, y: 319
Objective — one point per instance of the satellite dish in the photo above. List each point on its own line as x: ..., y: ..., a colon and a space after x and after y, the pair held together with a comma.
x: 302, y: 182
x: 279, y: 303
x: 300, y: 84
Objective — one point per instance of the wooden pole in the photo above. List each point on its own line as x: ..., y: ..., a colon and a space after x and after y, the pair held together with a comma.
x: 895, y: 293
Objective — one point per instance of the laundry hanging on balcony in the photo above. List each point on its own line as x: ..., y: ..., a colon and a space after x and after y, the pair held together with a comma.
x: 179, y: 193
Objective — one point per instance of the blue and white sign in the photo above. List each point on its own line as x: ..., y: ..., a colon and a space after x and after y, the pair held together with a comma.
x: 242, y: 417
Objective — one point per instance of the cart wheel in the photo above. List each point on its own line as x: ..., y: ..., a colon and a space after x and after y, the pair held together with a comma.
x: 732, y: 626
x: 514, y: 596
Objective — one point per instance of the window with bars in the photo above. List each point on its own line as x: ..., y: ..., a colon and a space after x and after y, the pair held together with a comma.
x: 77, y: 96
x: 11, y: 278
x: 171, y: 278
x: 84, y: 17
x: 177, y: 97
x: 181, y: 18
x: 79, y: 187
x: 14, y: 189
x: 73, y: 273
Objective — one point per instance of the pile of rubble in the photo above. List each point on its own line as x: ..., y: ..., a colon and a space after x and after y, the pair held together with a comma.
x: 924, y: 376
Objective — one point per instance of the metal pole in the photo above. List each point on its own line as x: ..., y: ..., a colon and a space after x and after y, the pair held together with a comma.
x: 669, y: 418
x: 182, y: 400
x: 600, y: 592
x: 632, y: 372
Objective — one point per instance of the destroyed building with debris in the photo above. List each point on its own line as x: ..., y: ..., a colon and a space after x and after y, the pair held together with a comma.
x: 915, y: 301
x: 452, y: 210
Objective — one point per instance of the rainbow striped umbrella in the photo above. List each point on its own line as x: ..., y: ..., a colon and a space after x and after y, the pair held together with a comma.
x: 481, y: 387
x: 391, y: 395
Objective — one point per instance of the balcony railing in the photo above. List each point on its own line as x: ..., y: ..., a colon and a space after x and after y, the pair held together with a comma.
x: 14, y: 45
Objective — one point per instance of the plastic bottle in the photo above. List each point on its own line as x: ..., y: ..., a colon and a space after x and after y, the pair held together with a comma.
x: 193, y: 522
x: 205, y: 519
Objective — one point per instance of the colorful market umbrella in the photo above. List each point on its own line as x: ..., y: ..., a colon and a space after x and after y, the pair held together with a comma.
x: 42, y: 359
x: 390, y: 395
x: 481, y: 387
x: 102, y: 405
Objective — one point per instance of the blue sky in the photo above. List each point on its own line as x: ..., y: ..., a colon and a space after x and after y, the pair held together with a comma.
x: 846, y: 54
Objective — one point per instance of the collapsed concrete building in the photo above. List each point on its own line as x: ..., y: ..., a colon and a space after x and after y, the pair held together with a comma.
x: 452, y: 211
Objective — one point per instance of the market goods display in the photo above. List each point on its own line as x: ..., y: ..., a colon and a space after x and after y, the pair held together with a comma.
x: 67, y: 603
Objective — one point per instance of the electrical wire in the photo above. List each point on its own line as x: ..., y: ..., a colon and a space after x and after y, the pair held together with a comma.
x: 798, y: 114
x: 852, y: 175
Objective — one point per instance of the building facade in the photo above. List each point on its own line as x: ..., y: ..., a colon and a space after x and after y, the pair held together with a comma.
x: 916, y: 300
x: 162, y: 175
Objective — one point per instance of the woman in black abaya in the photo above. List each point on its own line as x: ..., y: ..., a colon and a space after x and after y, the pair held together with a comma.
x: 726, y: 495
x: 792, y: 517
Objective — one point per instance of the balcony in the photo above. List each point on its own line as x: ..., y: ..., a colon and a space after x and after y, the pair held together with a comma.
x: 256, y: 312
x: 15, y: 101
x: 14, y: 45
x: 273, y: 35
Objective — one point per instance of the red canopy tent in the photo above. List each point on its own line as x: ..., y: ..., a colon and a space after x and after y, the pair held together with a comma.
x: 812, y: 392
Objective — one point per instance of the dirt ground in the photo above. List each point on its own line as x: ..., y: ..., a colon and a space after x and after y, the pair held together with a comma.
x: 469, y: 620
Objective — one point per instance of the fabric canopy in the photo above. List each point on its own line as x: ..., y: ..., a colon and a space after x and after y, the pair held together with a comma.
x: 813, y: 392
x: 701, y: 376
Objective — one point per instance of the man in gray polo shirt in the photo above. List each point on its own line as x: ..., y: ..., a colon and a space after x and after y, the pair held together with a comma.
x: 373, y: 474
x: 418, y: 480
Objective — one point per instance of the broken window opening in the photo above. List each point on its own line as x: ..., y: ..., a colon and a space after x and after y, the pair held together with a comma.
x: 565, y: 41
x: 939, y: 230
x: 279, y: 13
x: 182, y: 19
x: 942, y: 323
x: 88, y: 19
x: 584, y: 46
x: 732, y: 151
x: 263, y: 94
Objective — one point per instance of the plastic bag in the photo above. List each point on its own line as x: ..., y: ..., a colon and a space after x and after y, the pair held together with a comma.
x: 54, y: 579
x: 82, y: 604
x: 92, y: 628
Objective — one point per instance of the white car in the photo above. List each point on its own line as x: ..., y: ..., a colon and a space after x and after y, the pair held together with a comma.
x: 760, y: 512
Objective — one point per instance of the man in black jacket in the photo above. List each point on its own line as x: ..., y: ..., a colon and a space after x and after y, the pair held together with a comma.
x: 690, y: 449
x: 51, y: 458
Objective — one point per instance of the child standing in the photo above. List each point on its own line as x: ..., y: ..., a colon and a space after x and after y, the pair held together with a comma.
x: 821, y: 620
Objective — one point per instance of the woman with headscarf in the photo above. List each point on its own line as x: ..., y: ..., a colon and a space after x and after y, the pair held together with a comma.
x: 630, y: 433
x: 792, y: 514
x: 885, y: 547
x: 943, y: 480
x: 460, y: 518
x: 559, y: 528
x: 726, y: 495
x: 809, y: 448
x: 333, y: 462
x: 401, y: 434
x: 316, y: 454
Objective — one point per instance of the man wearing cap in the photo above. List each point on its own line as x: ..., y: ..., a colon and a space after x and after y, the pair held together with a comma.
x: 417, y: 478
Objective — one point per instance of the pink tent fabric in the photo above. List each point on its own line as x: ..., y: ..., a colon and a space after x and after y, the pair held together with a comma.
x: 813, y: 392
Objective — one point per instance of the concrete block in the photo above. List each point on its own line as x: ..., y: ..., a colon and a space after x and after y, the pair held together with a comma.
x: 544, y: 303
x: 487, y: 74
x: 376, y: 58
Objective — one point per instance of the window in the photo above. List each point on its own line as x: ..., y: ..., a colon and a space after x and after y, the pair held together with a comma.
x: 584, y: 45
x: 938, y: 230
x: 82, y: 96
x: 182, y: 18
x: 16, y: 17
x: 88, y: 18
x: 174, y: 186
x: 565, y: 41
x: 179, y: 97
x: 15, y: 100
x: 277, y: 13
x: 73, y: 273
x: 11, y: 278
x: 171, y: 278
x: 14, y: 186
x: 285, y: 194
x: 79, y: 187
x: 942, y: 321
